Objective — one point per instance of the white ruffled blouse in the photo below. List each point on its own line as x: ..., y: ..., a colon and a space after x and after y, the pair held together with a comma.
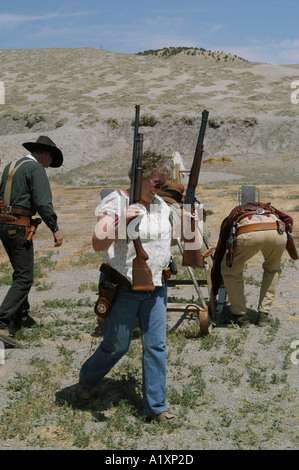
x: 153, y: 227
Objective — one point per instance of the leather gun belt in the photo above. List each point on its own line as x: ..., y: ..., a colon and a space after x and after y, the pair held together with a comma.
x: 120, y: 280
x: 13, y: 210
x: 17, y: 221
x: 14, y: 215
x: 279, y: 226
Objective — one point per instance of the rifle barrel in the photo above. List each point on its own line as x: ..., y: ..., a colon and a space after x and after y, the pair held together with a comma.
x: 196, y: 164
x: 193, y: 257
x: 204, y: 120
x: 138, y: 170
x: 135, y: 152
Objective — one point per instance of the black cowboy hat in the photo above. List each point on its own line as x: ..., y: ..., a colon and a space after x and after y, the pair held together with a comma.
x: 43, y: 142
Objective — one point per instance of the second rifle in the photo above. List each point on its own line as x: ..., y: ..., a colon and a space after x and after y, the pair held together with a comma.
x: 193, y: 256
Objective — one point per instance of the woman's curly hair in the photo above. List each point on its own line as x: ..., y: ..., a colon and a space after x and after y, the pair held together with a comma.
x: 153, y: 163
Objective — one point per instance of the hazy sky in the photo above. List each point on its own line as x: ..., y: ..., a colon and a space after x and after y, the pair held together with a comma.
x: 257, y: 30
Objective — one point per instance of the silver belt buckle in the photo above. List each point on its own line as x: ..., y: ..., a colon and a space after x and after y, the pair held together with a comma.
x: 260, y: 211
x: 281, y: 227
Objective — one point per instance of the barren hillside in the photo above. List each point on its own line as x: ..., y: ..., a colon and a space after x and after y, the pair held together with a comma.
x: 84, y: 99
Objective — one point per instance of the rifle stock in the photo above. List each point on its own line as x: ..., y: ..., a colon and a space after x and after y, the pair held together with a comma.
x: 141, y: 274
x: 193, y: 257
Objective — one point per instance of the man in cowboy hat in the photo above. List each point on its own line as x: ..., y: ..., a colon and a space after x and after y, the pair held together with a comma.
x: 24, y: 191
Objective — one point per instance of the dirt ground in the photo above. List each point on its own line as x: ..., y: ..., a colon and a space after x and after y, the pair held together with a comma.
x: 250, y: 397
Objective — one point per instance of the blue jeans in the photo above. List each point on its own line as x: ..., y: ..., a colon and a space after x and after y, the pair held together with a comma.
x: 118, y: 326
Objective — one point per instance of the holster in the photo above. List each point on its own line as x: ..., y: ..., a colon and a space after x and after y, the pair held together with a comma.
x: 230, y: 245
x: 290, y: 246
x: 107, y: 292
x: 31, y: 230
x: 170, y: 270
x: 14, y: 216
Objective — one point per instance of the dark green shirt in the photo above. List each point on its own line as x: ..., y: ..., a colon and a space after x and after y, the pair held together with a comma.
x: 31, y: 190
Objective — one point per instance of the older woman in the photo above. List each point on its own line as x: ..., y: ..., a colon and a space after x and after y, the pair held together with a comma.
x: 155, y: 231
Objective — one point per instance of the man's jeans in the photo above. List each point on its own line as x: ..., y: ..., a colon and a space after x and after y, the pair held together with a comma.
x: 118, y: 326
x: 15, y: 303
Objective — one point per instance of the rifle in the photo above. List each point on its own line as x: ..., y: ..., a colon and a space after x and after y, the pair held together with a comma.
x: 194, y: 257
x: 141, y: 274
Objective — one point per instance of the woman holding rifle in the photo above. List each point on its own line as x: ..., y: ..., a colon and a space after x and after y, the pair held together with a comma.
x: 119, y: 222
